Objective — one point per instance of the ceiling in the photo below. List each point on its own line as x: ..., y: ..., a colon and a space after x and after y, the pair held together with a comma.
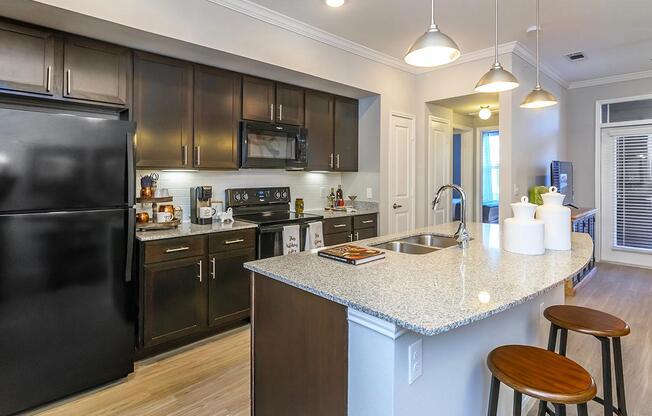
x: 468, y: 104
x: 616, y: 35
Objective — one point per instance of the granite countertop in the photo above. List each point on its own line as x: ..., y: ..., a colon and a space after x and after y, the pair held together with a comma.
x: 338, y: 214
x: 436, y: 292
x: 186, y: 229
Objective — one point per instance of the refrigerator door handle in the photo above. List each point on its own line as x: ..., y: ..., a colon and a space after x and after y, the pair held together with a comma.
x: 131, y: 230
x: 131, y: 171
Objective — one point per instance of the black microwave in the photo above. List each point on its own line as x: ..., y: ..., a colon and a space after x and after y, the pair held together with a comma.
x: 273, y: 146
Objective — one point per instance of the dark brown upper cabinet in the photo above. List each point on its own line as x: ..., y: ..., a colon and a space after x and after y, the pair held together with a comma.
x: 96, y: 71
x: 163, y: 99
x: 289, y: 104
x: 319, y: 122
x: 27, y: 60
x: 216, y: 118
x: 258, y: 99
x: 346, y: 134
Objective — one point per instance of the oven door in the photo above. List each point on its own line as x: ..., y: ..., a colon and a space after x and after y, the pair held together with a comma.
x: 270, y: 240
x: 267, y: 145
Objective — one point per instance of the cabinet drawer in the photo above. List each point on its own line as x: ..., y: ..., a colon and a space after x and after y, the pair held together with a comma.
x: 337, y: 225
x: 232, y: 240
x: 175, y: 248
x: 365, y: 221
x: 337, y: 238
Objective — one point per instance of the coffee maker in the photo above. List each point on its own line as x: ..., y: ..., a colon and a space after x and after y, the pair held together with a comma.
x: 201, y: 210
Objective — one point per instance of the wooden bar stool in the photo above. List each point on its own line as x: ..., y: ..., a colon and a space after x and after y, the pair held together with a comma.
x: 541, y: 374
x: 604, y: 327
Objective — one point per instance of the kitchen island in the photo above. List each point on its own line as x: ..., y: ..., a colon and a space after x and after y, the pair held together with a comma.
x: 407, y: 335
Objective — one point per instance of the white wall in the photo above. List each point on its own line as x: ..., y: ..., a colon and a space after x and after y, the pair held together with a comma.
x: 581, y: 131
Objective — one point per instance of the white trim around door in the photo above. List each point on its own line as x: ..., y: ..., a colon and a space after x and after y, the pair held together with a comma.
x: 401, y: 204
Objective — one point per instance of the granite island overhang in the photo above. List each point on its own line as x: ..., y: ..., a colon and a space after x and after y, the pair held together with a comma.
x: 342, y: 334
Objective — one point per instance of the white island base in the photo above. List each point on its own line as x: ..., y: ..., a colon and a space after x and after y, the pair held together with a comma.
x: 455, y: 379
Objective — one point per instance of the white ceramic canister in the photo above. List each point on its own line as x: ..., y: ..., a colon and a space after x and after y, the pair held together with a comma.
x: 557, y: 219
x: 523, y: 234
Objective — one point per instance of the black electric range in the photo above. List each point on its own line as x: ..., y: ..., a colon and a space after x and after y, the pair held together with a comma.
x: 269, y: 208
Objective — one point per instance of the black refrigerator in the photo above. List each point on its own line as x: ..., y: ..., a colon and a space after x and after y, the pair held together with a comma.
x: 66, y: 242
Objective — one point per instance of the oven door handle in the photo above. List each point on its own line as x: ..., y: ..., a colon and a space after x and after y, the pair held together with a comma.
x: 276, y: 228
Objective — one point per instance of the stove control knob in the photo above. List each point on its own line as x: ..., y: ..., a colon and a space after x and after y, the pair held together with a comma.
x: 284, y: 194
x: 277, y: 194
x: 245, y: 196
x: 237, y: 197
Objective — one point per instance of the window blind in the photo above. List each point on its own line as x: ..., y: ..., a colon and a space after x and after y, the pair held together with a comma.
x: 633, y: 192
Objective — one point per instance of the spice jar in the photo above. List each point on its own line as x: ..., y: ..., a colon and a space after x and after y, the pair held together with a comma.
x: 299, y: 205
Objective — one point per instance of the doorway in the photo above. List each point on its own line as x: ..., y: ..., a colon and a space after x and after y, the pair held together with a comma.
x: 402, y: 156
x: 490, y: 175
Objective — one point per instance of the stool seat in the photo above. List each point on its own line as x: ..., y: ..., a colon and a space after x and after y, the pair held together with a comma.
x: 587, y: 321
x: 541, y: 374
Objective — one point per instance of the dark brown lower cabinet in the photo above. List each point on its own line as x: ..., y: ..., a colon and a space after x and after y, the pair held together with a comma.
x: 229, y: 294
x: 174, y: 299
x: 365, y: 233
x: 337, y: 238
x: 346, y: 229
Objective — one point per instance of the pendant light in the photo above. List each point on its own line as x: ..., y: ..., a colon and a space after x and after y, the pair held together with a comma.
x: 497, y: 79
x: 433, y: 48
x: 485, y: 112
x: 538, y: 97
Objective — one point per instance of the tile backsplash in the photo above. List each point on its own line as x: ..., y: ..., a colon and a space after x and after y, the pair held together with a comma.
x: 304, y: 185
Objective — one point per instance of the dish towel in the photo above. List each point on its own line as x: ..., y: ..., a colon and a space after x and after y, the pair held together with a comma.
x: 314, y: 235
x: 290, y: 239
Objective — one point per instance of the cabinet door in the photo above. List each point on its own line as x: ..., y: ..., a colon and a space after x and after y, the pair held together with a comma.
x: 337, y: 238
x: 26, y: 59
x: 289, y: 104
x: 95, y: 71
x: 217, y: 115
x: 258, y: 98
x: 346, y: 134
x: 162, y: 111
x: 174, y: 299
x: 365, y: 233
x: 229, y: 286
x: 319, y: 122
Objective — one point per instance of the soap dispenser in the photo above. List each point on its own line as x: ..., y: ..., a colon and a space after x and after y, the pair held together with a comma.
x: 557, y: 220
x: 523, y: 234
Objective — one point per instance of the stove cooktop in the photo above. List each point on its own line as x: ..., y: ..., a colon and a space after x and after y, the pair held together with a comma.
x: 277, y: 217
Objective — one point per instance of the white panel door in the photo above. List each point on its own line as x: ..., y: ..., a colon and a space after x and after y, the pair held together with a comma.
x: 401, y: 172
x: 626, y: 196
x: 440, y: 148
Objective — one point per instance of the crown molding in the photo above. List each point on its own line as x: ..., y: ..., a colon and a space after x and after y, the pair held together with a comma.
x: 275, y: 18
x: 610, y: 79
x: 526, y: 54
x: 503, y: 48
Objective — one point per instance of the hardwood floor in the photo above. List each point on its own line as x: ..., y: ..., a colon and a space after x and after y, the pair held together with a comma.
x: 627, y: 293
x: 209, y: 379
x: 212, y: 377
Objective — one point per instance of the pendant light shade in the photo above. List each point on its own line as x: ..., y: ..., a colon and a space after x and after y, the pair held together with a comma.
x: 538, y: 97
x: 433, y: 48
x: 498, y: 79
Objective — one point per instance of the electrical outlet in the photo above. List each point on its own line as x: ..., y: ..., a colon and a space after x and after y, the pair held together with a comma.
x: 517, y: 190
x: 370, y: 193
x: 323, y: 192
x: 415, y: 361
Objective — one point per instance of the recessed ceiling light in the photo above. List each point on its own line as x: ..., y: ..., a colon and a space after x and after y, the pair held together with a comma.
x: 335, y: 3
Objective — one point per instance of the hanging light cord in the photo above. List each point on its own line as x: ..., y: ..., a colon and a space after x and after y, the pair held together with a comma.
x: 432, y: 15
x: 496, y: 53
x: 538, y: 27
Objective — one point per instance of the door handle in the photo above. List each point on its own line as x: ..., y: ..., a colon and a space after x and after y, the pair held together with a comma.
x: 68, y: 76
x: 280, y: 112
x: 331, y: 162
x: 271, y: 112
x: 239, y: 240
x: 198, y: 155
x: 48, y: 82
x: 367, y: 221
x: 176, y: 250
x: 213, y: 268
x: 396, y: 206
x: 357, y: 236
x: 200, y: 270
x: 184, y: 154
x: 339, y: 225
x: 351, y: 237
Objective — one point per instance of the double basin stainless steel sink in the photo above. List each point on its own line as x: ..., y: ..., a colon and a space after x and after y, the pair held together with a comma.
x: 419, y: 244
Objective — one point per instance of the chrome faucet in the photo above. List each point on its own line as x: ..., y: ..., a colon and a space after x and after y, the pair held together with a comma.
x: 462, y: 234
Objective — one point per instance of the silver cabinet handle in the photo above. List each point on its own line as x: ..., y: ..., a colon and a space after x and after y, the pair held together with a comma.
x: 48, y: 81
x: 271, y: 112
x: 200, y: 264
x: 280, y: 112
x: 213, y: 268
x: 367, y: 221
x: 339, y: 225
x: 198, y: 155
x: 331, y: 162
x: 397, y: 205
x: 68, y: 76
x: 350, y: 237
x: 239, y: 240
x: 184, y: 154
x: 176, y: 250
x: 337, y: 159
x: 357, y: 236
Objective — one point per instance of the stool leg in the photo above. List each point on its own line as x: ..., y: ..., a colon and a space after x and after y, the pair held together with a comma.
x: 582, y: 410
x: 542, y: 408
x: 606, y: 375
x: 620, y: 379
x: 518, y: 403
x: 493, y: 397
x: 560, y: 410
x: 552, y: 338
x: 563, y: 341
